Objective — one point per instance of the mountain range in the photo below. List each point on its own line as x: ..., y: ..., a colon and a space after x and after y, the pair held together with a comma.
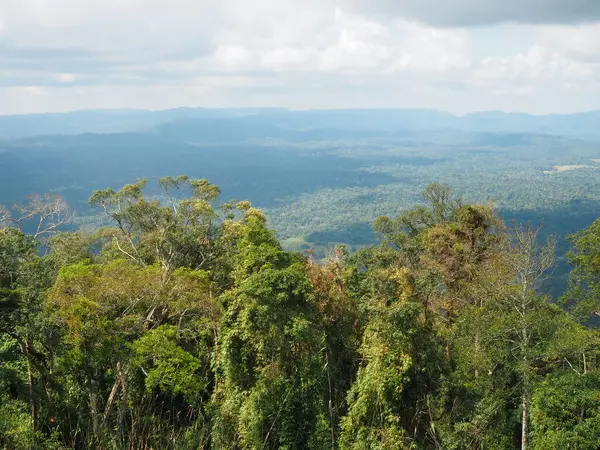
x: 244, y: 123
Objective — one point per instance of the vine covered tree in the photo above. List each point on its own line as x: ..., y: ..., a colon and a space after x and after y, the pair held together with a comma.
x: 184, y: 323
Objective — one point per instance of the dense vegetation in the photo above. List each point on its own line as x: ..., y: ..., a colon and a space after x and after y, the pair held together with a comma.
x: 320, y: 177
x: 185, y: 324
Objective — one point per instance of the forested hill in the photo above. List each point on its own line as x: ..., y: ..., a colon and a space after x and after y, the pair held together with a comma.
x: 183, y: 323
x: 321, y: 177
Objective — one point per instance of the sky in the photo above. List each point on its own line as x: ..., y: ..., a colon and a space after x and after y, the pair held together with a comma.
x: 536, y: 56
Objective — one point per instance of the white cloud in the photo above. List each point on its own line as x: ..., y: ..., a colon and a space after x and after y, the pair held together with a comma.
x: 108, y: 25
x: 318, y: 53
x: 536, y: 63
x: 520, y: 91
x: 35, y: 90
x: 65, y: 77
x: 233, y: 56
x: 350, y: 44
x: 580, y: 42
x: 289, y: 58
x: 429, y: 49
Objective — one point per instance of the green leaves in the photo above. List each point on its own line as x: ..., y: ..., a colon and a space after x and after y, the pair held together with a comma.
x: 166, y: 365
x: 566, y: 412
x: 270, y: 357
x: 187, y: 325
x: 583, y: 295
x: 399, y: 356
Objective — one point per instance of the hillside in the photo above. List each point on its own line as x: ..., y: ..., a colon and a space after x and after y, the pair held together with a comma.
x: 183, y: 323
x: 323, y: 176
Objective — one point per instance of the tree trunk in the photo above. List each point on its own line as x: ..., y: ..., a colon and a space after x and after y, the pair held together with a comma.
x: 30, y: 386
x: 123, y: 406
x: 525, y: 424
x: 477, y: 346
x: 525, y: 375
x: 525, y: 381
x: 94, y: 410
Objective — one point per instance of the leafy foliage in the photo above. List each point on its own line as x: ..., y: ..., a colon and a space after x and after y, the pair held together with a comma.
x: 185, y: 324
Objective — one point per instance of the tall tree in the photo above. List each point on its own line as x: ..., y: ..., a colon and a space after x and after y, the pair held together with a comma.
x: 583, y: 295
x: 270, y: 380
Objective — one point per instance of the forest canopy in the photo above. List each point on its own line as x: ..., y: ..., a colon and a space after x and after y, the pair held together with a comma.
x: 184, y: 323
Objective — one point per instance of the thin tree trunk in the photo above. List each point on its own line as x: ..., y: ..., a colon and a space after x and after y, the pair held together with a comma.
x: 477, y: 352
x: 330, y: 403
x: 94, y: 410
x: 525, y: 397
x: 525, y: 424
x: 123, y: 406
x: 31, y: 397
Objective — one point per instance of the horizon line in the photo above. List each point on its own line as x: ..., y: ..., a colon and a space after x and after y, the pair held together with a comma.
x: 289, y: 109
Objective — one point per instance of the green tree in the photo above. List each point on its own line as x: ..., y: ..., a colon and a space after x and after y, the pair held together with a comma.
x: 583, y: 295
x: 387, y: 404
x: 270, y: 360
x: 566, y: 412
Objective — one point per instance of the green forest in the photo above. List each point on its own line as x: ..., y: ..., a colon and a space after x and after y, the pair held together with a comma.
x: 185, y: 324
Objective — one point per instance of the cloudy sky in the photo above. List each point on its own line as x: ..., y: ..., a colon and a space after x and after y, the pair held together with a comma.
x: 537, y: 56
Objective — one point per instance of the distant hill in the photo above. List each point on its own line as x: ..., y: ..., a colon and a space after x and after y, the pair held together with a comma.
x: 279, y: 123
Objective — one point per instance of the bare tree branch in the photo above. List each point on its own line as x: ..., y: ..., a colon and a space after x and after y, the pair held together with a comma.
x: 48, y: 212
x: 5, y: 216
x: 532, y: 261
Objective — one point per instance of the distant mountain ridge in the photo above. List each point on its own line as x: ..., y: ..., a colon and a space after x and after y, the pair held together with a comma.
x: 278, y: 121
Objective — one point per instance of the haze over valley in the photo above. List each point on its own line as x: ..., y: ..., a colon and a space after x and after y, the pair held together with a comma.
x: 321, y: 176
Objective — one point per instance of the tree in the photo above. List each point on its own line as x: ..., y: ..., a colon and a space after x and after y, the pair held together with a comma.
x: 182, y: 233
x: 129, y: 330
x: 24, y: 321
x: 341, y: 321
x: 583, y: 295
x: 186, y: 325
x: 566, y: 412
x: 270, y: 379
x: 387, y: 404
x: 444, y: 243
x: 42, y: 216
x: 522, y: 324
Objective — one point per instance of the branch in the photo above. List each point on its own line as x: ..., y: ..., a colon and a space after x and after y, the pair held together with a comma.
x: 5, y: 217
x: 52, y: 211
x: 116, y: 241
x: 571, y: 366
